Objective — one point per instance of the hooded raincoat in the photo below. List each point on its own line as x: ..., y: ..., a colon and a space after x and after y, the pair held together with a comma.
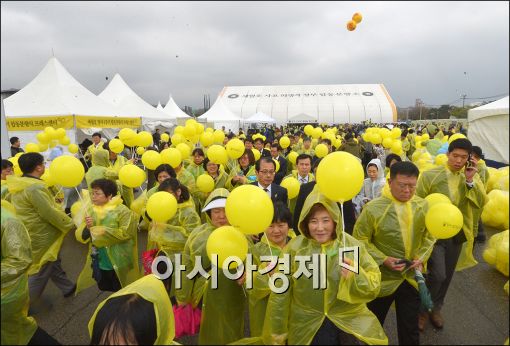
x: 470, y: 202
x: 114, y: 230
x: 388, y: 227
x: 371, y: 189
x: 195, y: 170
x: 250, y: 176
x: 297, y: 314
x: 46, y: 222
x: 17, y: 327
x: 222, y: 308
x: 151, y: 289
x: 125, y: 191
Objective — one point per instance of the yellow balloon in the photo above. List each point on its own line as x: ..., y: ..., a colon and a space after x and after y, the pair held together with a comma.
x: 165, y: 137
x: 357, y: 17
x: 250, y: 209
x: 171, y: 156
x: 218, y: 136
x: 419, y: 145
x: 75, y: 208
x: 284, y: 142
x: 73, y: 148
x: 235, y: 148
x: 205, y: 183
x: 321, y: 150
x: 217, y: 154
x: 256, y: 153
x: 151, y: 159
x: 191, y: 122
x: 441, y: 159
x: 65, y: 140
x: 131, y: 176
x: 376, y: 138
x: 179, y: 129
x: 336, y: 169
x: 140, y: 150
x: 385, y: 133
x: 189, y: 130
x: 144, y: 139
x: 435, y: 198
x: 396, y: 132
x: 277, y: 164
x: 116, y: 146
x: 128, y: 137
x: 67, y: 170
x: 317, y: 132
x: 48, y: 179
x: 32, y: 148
x: 444, y: 220
x: 184, y: 149
x: 292, y: 157
x: 161, y: 206
x: 209, y: 129
x: 51, y: 132
x: 396, y: 147
x: 489, y: 255
x: 292, y: 185
x: 206, y: 139
x: 43, y: 137
x: 43, y: 147
x: 308, y: 130
x: 455, y: 136
x: 199, y: 128
x: 60, y: 133
x: 178, y: 138
x: 387, y: 142
x: 226, y: 241
x: 444, y: 139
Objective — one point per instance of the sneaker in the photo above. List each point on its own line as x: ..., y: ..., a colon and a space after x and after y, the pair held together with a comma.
x: 71, y: 292
x: 436, y: 319
x: 423, y: 317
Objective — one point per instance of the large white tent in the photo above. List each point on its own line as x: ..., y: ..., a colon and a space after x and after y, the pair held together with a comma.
x: 488, y: 129
x: 175, y: 112
x: 219, y: 115
x: 120, y: 94
x: 259, y: 118
x: 330, y: 104
x: 55, y: 98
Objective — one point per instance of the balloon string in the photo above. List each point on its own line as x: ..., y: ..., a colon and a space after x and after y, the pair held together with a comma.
x: 343, y: 223
x: 82, y: 200
x: 83, y: 156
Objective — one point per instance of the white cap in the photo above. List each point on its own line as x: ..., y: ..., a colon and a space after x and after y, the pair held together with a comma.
x: 216, y: 203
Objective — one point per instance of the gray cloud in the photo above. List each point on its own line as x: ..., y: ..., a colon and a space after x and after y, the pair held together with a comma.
x: 417, y: 49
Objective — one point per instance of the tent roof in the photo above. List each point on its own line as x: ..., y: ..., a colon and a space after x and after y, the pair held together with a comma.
x: 159, y: 107
x: 260, y: 117
x: 173, y: 110
x: 302, y: 118
x: 55, y: 92
x: 120, y: 94
x: 499, y: 107
x: 219, y: 112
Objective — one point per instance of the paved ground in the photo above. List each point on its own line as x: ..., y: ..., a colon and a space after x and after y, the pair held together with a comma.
x: 476, y: 308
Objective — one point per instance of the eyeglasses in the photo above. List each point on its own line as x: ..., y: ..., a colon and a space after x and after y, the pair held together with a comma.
x: 267, y: 172
x: 408, y: 186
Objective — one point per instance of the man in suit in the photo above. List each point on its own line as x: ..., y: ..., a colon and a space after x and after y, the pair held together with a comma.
x: 265, y: 169
x: 275, y: 154
x: 259, y: 145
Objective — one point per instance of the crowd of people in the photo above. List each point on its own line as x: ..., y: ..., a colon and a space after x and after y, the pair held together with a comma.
x: 386, y: 221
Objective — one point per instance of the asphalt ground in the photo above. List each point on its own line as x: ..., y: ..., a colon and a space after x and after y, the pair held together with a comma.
x: 476, y: 309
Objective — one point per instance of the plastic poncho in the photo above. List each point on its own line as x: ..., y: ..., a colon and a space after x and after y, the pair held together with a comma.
x: 308, y: 151
x: 151, y: 289
x: 4, y: 192
x: 46, y: 222
x: 195, y: 170
x: 250, y: 177
x: 296, y: 315
x: 125, y: 191
x: 352, y: 147
x: 222, y: 308
x: 118, y: 226
x: 388, y: 227
x: 17, y: 327
x: 371, y: 189
x: 92, y: 149
x: 100, y: 167
x: 470, y: 202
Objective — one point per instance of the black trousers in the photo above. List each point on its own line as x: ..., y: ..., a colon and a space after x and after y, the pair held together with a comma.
x: 40, y: 337
x: 109, y: 281
x: 330, y: 334
x: 407, y: 304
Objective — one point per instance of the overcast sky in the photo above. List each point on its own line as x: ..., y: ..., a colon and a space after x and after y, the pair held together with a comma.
x: 435, y: 51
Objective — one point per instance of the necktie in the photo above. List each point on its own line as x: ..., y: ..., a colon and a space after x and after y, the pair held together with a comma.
x: 266, y: 190
x: 303, y: 180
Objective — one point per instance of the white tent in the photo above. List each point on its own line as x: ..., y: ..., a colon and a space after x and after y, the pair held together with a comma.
x: 6, y: 152
x: 260, y: 118
x: 55, y: 98
x: 302, y: 118
x: 175, y: 112
x: 488, y: 129
x: 159, y: 107
x: 120, y: 94
x: 219, y: 115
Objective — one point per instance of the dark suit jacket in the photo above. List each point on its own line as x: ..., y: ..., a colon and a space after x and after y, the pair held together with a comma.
x: 304, y: 191
x: 282, y: 172
x: 265, y: 153
x: 278, y: 193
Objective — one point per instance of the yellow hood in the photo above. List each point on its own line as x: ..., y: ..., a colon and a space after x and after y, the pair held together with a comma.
x: 17, y: 184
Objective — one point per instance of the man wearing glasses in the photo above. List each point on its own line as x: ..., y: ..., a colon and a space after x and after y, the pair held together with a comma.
x: 265, y: 169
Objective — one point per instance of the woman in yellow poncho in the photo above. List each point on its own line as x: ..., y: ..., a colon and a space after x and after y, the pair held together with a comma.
x: 7, y: 169
x: 110, y: 229
x: 304, y: 315
x: 244, y: 172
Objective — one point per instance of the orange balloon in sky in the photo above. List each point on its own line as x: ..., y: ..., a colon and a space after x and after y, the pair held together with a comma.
x: 357, y: 17
x: 351, y: 25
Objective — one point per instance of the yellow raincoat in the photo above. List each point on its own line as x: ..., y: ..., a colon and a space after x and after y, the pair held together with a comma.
x: 222, y: 308
x: 119, y: 227
x: 125, y: 191
x: 195, y: 170
x: 46, y: 222
x: 296, y: 315
x: 388, y: 227
x: 470, y: 202
x: 17, y: 327
x: 4, y: 194
x: 100, y: 168
x: 92, y: 149
x: 151, y: 289
x: 250, y: 177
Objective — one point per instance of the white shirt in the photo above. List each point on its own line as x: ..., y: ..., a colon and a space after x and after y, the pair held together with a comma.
x: 303, y: 180
x: 268, y: 189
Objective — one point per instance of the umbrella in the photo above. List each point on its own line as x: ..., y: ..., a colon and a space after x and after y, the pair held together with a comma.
x: 426, y: 299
